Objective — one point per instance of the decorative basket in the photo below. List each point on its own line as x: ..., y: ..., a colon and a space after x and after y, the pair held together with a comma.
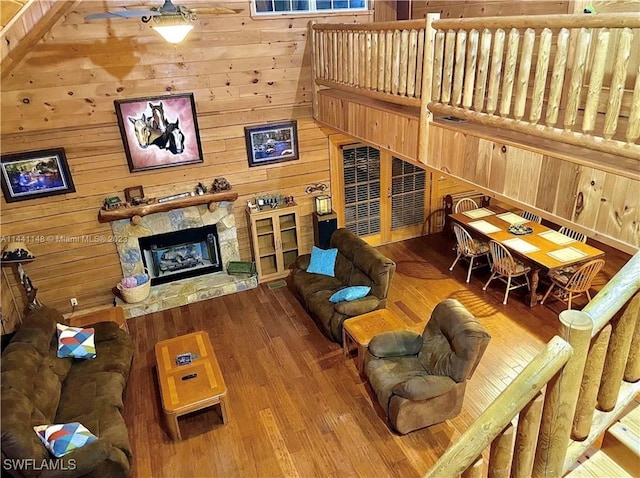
x: 132, y: 295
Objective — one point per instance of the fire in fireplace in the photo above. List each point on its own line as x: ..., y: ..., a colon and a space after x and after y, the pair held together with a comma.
x: 181, y: 254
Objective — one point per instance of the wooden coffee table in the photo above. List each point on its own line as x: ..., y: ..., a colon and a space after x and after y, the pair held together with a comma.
x: 361, y: 329
x: 188, y: 388
x: 109, y: 314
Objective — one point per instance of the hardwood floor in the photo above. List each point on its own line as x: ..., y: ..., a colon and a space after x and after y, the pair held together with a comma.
x: 296, y: 407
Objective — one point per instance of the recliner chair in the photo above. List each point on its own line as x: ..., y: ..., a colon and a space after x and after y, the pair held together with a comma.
x: 420, y: 380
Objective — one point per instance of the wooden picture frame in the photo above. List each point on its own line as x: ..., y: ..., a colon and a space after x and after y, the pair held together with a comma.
x: 272, y: 143
x: 159, y: 131
x: 135, y: 192
x: 35, y: 174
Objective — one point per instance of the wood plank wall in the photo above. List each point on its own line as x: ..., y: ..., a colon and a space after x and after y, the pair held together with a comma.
x: 488, y: 8
x: 242, y: 72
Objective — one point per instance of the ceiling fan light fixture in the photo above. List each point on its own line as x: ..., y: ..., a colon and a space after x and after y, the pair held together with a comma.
x: 173, y: 28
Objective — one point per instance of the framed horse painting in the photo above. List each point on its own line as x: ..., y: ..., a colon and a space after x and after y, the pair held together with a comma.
x: 35, y: 174
x: 159, y: 131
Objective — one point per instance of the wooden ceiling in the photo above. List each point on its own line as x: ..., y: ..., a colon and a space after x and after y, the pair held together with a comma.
x: 24, y: 23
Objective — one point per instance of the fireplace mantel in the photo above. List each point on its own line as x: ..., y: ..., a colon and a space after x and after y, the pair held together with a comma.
x: 137, y: 212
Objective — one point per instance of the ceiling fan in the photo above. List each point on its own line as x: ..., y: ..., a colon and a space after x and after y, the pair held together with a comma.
x: 173, y: 22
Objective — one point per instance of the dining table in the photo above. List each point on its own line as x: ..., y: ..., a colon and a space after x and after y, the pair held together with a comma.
x: 534, y: 244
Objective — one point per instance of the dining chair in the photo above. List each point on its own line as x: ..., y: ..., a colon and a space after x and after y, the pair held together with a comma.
x: 468, y: 248
x: 506, y: 268
x: 465, y: 204
x: 578, y: 236
x: 574, y: 284
x: 531, y: 217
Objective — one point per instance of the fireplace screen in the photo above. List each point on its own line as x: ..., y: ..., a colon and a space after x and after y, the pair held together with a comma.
x: 181, y: 254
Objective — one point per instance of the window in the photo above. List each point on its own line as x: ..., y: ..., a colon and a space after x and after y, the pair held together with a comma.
x: 275, y: 7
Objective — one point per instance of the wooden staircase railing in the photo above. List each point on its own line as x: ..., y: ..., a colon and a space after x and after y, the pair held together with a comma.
x: 569, y: 394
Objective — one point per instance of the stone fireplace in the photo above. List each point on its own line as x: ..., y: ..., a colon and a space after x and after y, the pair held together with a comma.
x: 185, y: 251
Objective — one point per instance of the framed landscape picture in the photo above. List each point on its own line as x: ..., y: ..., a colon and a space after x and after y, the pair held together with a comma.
x: 35, y: 174
x: 272, y: 143
x: 159, y: 131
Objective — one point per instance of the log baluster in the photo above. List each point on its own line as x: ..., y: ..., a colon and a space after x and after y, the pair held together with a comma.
x: 542, y: 68
x: 411, y: 67
x: 617, y: 83
x: 420, y: 58
x: 404, y: 62
x: 526, y: 437
x: 475, y: 470
x: 458, y: 71
x: 345, y: 57
x: 374, y: 60
x: 632, y: 370
x: 524, y: 72
x: 590, y: 384
x: 617, y: 353
x: 577, y: 78
x: 496, y: 71
x: 447, y: 72
x: 362, y: 59
x: 633, y: 126
x: 334, y: 56
x: 438, y: 65
x: 509, y: 72
x: 598, y: 67
x: 368, y: 61
x: 500, y: 453
x: 395, y: 61
x: 382, y: 59
x: 557, y: 77
x: 390, y: 63
x: 470, y: 72
x: 483, y: 70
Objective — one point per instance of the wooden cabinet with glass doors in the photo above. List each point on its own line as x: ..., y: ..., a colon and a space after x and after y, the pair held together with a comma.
x: 275, y: 240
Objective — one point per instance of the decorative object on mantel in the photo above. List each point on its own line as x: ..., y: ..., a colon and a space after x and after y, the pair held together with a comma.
x: 18, y: 253
x: 135, y: 288
x: 173, y: 197
x: 272, y: 143
x: 35, y: 174
x: 159, y: 131
x: 200, y: 189
x: 134, y: 194
x: 322, y: 187
x: 273, y: 201
x: 140, y: 211
x: 220, y: 184
x: 113, y: 203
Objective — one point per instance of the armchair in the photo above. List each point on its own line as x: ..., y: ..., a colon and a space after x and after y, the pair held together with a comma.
x: 420, y: 380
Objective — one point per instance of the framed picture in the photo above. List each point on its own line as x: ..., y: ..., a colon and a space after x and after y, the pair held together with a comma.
x: 35, y: 174
x: 272, y: 143
x: 135, y: 192
x: 159, y: 131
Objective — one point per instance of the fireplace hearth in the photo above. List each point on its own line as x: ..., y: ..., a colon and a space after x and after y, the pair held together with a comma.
x: 186, y: 252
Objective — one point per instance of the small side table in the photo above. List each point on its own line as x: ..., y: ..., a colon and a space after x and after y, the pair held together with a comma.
x: 361, y: 329
x: 111, y: 314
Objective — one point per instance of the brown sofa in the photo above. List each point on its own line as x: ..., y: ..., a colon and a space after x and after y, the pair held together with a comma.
x: 420, y: 380
x: 38, y: 388
x: 357, y: 263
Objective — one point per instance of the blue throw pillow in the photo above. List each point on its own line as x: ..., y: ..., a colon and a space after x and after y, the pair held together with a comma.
x: 350, y: 293
x: 323, y: 261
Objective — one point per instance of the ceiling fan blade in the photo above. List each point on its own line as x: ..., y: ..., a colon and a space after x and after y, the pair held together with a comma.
x: 215, y: 10
x: 123, y: 14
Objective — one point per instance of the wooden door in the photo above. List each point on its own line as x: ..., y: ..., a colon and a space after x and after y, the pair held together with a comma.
x: 379, y: 197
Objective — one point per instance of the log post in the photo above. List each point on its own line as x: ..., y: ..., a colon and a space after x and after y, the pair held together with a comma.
x: 427, y: 82
x: 616, y: 360
x: 524, y: 448
x: 561, y: 396
x: 500, y: 453
x: 590, y: 384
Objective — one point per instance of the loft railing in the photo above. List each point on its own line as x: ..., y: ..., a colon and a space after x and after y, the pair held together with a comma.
x: 569, y: 394
x: 568, y: 78
x: 379, y: 60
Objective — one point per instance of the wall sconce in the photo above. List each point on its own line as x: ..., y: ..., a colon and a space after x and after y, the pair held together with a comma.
x: 323, y: 205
